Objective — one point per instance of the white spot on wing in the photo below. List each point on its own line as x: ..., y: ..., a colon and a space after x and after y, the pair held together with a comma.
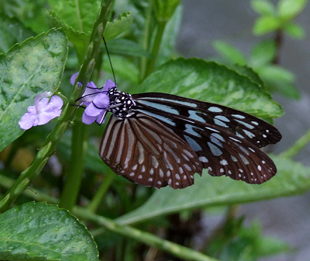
x: 161, y: 173
x: 224, y: 162
x: 214, y: 149
x: 215, y: 109
x: 238, y: 116
x: 203, y: 159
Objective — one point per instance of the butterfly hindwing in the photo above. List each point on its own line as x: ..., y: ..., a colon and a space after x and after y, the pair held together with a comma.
x: 145, y: 151
x: 223, y: 153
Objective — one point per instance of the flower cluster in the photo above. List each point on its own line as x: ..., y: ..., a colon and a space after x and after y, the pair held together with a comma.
x: 96, y: 101
x: 44, y: 110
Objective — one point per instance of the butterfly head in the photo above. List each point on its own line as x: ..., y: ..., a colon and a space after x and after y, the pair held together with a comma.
x: 121, y: 103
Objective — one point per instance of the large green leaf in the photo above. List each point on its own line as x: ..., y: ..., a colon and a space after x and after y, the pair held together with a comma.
x: 33, y: 67
x: 211, y: 82
x: 78, y: 14
x: 292, y: 178
x: 76, y: 18
x: 37, y: 231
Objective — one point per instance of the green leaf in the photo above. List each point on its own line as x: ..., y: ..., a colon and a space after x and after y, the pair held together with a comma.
x: 295, y: 30
x: 292, y: 178
x: 263, y: 7
x: 268, y: 246
x: 127, y: 47
x: 37, y: 231
x: 79, y: 39
x: 76, y: 18
x: 211, y: 82
x: 266, y: 24
x: 30, y: 13
x: 279, y: 80
x: 33, y: 67
x: 168, y: 42
x: 263, y: 53
x: 80, y: 15
x: 12, y: 31
x: 124, y: 68
x: 118, y: 26
x: 229, y: 52
x: 288, y: 9
x: 249, y: 73
x: 165, y: 9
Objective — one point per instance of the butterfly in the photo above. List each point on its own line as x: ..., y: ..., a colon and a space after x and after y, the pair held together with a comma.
x: 159, y: 139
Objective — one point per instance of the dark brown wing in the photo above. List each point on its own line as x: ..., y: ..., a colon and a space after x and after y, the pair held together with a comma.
x: 145, y: 151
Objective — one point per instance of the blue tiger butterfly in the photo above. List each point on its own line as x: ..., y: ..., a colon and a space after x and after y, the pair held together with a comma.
x: 159, y: 139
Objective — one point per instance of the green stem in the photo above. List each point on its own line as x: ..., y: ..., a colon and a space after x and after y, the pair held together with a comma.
x: 155, y: 50
x: 74, y: 175
x: 145, y: 237
x: 104, y: 186
x: 49, y: 147
x: 141, y: 236
x: 37, y: 195
x: 146, y: 40
x: 297, y: 146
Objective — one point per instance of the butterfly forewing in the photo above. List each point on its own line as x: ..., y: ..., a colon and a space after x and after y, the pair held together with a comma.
x: 239, y: 123
x: 145, y: 151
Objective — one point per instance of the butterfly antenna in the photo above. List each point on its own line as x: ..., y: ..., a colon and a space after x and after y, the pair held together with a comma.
x: 106, y: 47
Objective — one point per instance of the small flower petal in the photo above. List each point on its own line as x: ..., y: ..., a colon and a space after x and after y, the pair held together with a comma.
x: 27, y: 121
x: 92, y: 110
x: 43, y: 111
x: 73, y: 78
x: 90, y: 93
x: 88, y: 119
x: 101, y: 117
x: 101, y: 101
x: 54, y: 104
x: 108, y: 85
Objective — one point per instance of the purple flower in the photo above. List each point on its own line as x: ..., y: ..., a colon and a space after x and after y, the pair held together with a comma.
x: 96, y: 101
x: 44, y: 110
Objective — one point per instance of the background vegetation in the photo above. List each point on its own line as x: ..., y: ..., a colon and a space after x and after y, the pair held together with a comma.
x: 43, y: 44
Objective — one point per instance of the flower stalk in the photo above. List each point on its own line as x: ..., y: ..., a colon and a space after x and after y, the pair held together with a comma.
x: 49, y: 147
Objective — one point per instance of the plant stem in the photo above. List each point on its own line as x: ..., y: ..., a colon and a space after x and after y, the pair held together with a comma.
x: 146, y: 40
x: 155, y: 50
x: 49, y: 147
x: 297, y: 146
x: 104, y: 186
x: 145, y: 237
x: 74, y: 175
x: 141, y: 236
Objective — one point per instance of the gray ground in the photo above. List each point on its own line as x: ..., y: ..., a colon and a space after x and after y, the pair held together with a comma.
x: 231, y: 21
